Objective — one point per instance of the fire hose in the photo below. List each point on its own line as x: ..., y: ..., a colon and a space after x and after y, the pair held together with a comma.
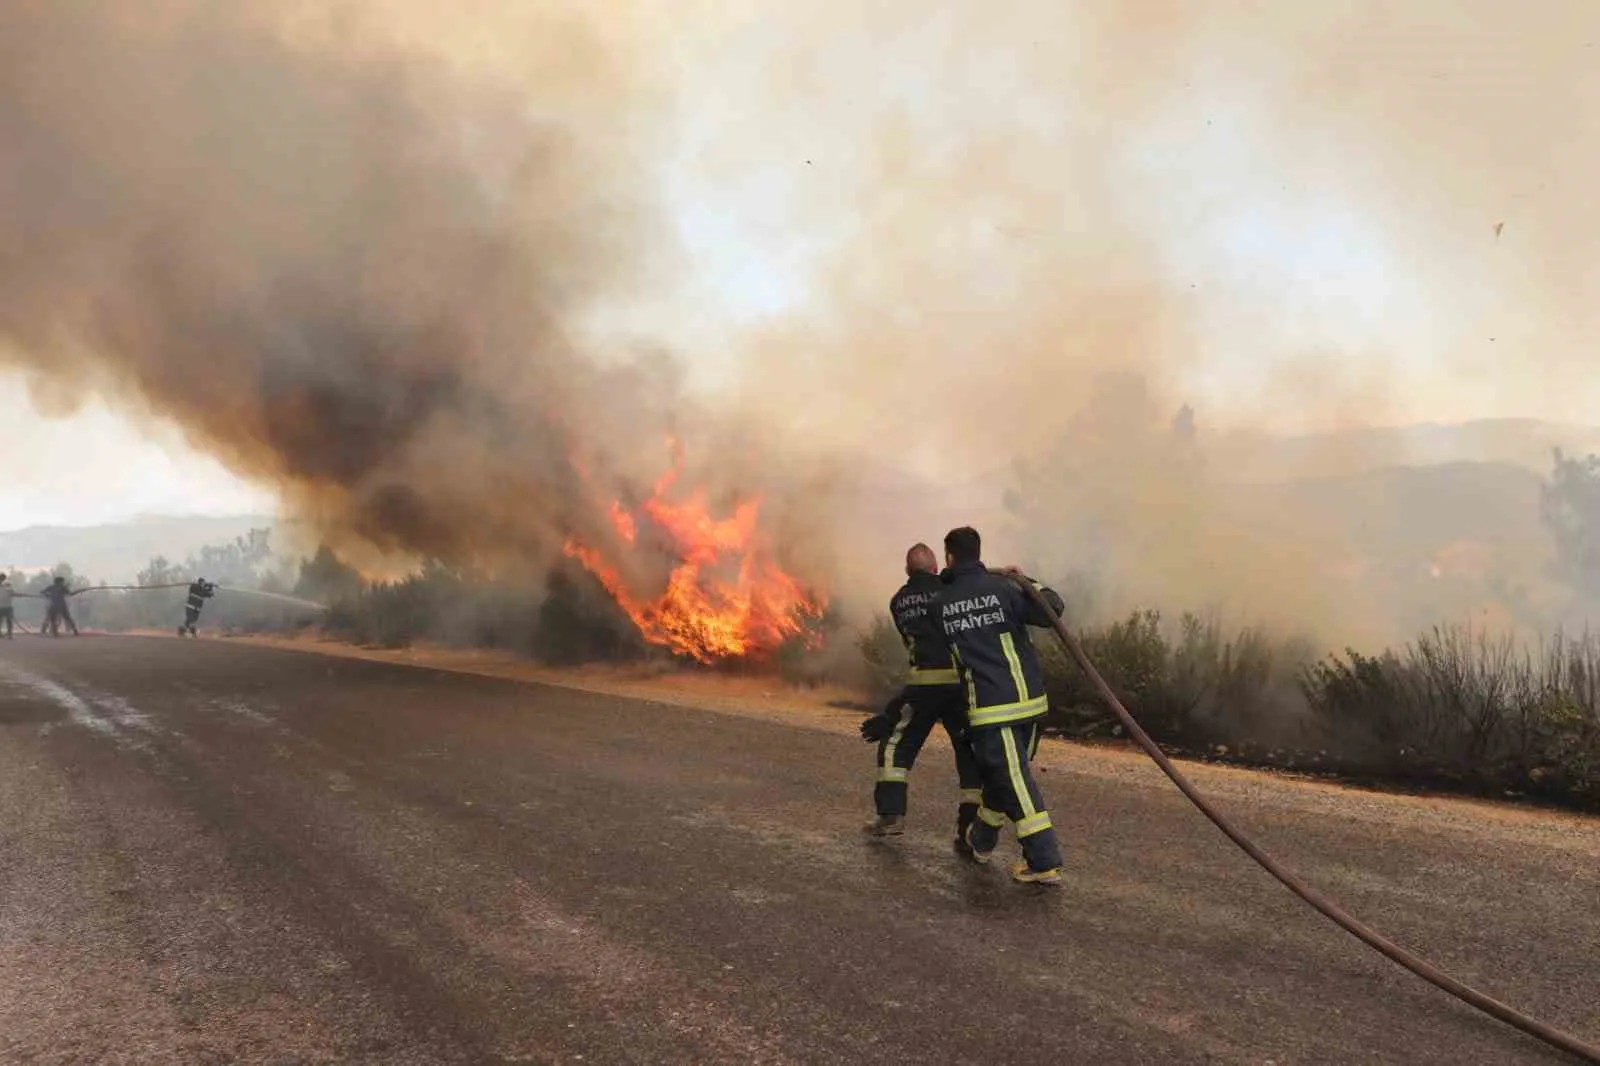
x: 294, y: 600
x: 1329, y: 909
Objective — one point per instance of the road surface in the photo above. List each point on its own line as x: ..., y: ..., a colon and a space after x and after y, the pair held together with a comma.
x: 215, y: 853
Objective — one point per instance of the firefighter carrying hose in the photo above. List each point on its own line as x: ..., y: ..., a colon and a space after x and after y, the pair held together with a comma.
x: 984, y: 617
x: 932, y: 694
x: 200, y: 591
x: 56, y: 611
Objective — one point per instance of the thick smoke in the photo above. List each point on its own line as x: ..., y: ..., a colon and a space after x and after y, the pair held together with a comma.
x: 367, y: 257
x: 336, y: 262
x: 1293, y: 216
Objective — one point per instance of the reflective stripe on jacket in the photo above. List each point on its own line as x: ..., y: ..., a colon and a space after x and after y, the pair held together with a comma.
x: 984, y: 618
x: 931, y: 660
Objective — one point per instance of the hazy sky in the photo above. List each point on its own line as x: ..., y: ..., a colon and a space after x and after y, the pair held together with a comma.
x: 96, y: 466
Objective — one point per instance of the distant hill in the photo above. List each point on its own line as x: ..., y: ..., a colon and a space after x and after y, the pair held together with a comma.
x: 119, y: 551
x: 1522, y: 442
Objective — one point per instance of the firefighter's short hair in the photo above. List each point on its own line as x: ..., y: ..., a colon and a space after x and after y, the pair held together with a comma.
x: 963, y: 545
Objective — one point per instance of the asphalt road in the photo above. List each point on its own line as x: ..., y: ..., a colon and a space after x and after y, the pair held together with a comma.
x: 219, y: 853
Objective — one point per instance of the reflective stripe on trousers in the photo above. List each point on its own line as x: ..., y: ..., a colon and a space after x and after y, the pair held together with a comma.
x: 1010, y: 793
x: 898, y: 753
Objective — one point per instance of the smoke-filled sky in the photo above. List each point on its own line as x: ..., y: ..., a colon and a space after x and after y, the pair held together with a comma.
x: 423, y: 273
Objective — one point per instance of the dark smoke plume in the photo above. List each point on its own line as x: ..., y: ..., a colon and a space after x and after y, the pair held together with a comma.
x: 339, y: 265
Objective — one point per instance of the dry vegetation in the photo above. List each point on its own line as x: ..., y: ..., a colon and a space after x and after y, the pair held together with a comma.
x: 1453, y: 709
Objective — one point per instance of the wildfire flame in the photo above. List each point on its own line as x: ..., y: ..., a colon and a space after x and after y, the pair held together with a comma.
x: 726, y: 597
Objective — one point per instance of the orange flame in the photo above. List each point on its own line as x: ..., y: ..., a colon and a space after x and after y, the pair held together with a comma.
x: 725, y: 598
x: 626, y: 527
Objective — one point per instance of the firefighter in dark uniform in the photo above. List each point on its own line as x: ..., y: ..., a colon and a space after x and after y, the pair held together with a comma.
x: 984, y: 618
x: 932, y: 694
x: 199, y: 592
x: 56, y: 610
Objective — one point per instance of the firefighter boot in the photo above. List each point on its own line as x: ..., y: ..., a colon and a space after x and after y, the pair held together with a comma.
x: 1041, y: 852
x: 885, y: 825
x: 965, y: 815
x: 1025, y: 874
x: 978, y: 850
x: 983, y: 833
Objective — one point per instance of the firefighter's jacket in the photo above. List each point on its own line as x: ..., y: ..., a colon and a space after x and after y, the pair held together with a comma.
x: 931, y: 660
x: 984, y: 619
x: 199, y: 593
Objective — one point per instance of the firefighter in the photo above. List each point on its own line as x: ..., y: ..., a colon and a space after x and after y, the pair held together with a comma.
x: 200, y: 591
x: 984, y: 618
x: 931, y: 694
x: 56, y: 610
x: 8, y: 614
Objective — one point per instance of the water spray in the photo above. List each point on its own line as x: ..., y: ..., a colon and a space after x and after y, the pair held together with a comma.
x: 1329, y: 909
x: 294, y: 600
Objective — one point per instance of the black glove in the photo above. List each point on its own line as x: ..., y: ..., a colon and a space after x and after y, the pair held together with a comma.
x: 877, y: 728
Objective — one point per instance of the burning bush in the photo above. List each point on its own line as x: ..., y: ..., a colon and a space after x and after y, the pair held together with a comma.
x: 669, y: 571
x: 716, y: 590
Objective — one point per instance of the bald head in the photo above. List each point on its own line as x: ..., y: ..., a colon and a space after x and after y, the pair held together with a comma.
x: 921, y: 560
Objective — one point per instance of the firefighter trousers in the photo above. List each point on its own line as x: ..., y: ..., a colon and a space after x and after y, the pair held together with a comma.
x: 1010, y: 793
x: 922, y: 706
x: 53, y: 618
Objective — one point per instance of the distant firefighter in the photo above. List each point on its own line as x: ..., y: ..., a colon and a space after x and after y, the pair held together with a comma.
x: 199, y: 592
x: 8, y: 614
x: 56, y: 595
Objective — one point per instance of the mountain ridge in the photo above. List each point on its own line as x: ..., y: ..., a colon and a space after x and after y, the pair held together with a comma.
x: 1420, y: 484
x: 117, y: 551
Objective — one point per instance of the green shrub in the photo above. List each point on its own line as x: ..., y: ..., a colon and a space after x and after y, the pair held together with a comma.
x: 442, y: 605
x: 1194, y: 686
x: 1470, y: 708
